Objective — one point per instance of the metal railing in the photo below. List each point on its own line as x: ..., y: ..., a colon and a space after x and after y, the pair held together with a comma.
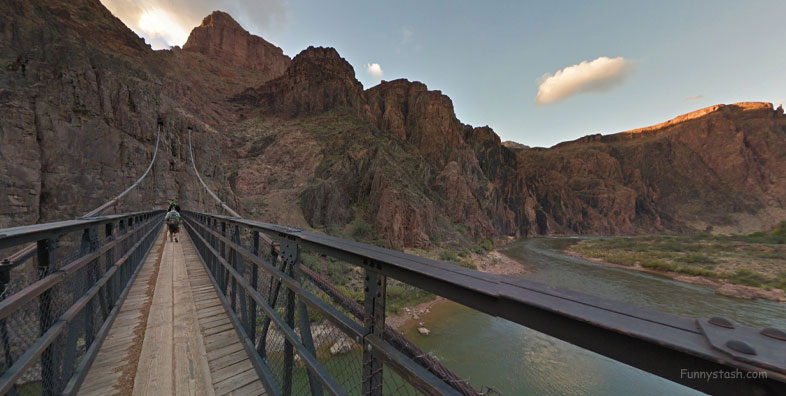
x: 57, y: 306
x: 284, y: 311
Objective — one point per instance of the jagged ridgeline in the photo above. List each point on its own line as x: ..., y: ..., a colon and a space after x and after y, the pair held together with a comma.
x: 300, y: 142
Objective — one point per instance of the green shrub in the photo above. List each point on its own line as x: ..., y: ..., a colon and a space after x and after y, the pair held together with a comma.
x: 487, y: 244
x: 696, y: 258
x: 309, y: 260
x: 673, y: 246
x: 747, y: 277
x: 401, y: 295
x: 448, y: 255
x: 777, y: 236
x: 361, y: 229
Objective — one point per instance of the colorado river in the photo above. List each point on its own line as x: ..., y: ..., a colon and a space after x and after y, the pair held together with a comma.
x: 518, y: 361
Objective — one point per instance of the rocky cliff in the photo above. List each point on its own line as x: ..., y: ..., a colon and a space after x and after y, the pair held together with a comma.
x: 220, y: 38
x: 302, y: 143
x: 81, y: 97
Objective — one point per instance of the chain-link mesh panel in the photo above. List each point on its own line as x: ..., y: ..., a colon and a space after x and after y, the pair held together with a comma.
x: 31, y: 323
x: 22, y: 330
x: 394, y: 385
x: 339, y: 353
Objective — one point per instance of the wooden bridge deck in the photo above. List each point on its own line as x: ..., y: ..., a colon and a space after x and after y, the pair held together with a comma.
x: 172, y: 335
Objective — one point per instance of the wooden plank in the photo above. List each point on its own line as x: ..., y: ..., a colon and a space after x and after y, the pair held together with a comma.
x: 189, y: 346
x: 117, y: 353
x: 206, y: 313
x: 223, y: 351
x: 154, y: 372
x: 213, y: 322
x: 213, y: 337
x: 236, y: 382
x: 252, y: 389
x: 192, y: 372
x: 218, y: 329
x: 221, y: 343
x: 232, y: 369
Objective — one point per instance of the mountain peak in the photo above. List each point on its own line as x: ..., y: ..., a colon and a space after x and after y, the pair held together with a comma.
x: 222, y: 39
x: 220, y: 19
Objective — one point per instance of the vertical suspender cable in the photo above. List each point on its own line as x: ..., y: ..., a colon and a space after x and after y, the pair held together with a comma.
x: 114, y: 200
x: 209, y: 191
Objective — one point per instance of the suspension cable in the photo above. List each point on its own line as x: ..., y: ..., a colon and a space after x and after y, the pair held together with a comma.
x: 114, y: 200
x: 27, y: 252
x: 212, y: 194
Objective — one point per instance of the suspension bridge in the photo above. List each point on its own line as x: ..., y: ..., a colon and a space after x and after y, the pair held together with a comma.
x: 106, y: 305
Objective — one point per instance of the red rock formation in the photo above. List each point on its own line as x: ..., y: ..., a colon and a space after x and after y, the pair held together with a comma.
x: 221, y: 38
x: 317, y: 80
x: 307, y: 146
x: 421, y: 117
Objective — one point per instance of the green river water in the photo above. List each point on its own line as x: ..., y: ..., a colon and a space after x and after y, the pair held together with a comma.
x: 518, y: 361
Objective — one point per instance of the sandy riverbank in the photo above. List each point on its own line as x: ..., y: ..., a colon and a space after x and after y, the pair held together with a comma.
x: 721, y: 287
x: 494, y: 262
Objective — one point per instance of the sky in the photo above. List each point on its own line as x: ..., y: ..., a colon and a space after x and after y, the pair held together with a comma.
x: 538, y: 73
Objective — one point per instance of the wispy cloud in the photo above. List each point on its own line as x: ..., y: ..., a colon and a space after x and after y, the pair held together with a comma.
x: 694, y: 98
x: 164, y: 23
x: 375, y: 70
x: 601, y: 74
x: 407, y: 35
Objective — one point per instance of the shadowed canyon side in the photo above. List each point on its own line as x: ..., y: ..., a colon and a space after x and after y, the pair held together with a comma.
x: 82, y: 96
x: 300, y: 142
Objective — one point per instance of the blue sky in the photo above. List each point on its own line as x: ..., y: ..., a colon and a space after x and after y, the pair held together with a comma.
x: 489, y: 57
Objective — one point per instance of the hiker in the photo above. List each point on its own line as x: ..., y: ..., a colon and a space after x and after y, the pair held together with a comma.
x: 173, y: 222
x: 172, y: 205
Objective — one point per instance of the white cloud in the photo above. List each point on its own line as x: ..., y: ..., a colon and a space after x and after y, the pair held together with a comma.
x: 167, y: 22
x: 160, y: 30
x: 694, y: 98
x: 374, y: 69
x: 601, y: 74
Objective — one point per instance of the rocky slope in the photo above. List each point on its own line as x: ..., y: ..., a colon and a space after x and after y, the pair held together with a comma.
x: 301, y: 142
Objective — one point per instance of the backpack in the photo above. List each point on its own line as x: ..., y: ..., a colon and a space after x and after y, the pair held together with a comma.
x: 174, y: 219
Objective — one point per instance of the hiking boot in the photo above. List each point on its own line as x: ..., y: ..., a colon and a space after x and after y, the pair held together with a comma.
x: 176, y: 240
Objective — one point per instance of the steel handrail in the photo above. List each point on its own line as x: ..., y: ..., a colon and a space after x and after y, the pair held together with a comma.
x: 654, y: 341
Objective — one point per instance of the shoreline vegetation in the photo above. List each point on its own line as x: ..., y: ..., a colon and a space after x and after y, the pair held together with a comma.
x: 492, y: 262
x: 743, y: 266
x: 406, y: 304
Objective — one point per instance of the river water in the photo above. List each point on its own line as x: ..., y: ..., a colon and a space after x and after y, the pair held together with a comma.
x: 517, y: 361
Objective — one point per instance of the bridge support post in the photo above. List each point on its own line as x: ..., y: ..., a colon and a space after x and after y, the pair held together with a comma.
x: 222, y: 279
x: 106, y: 294
x: 233, y: 261
x: 292, y: 253
x: 46, y: 250
x: 251, y: 324
x: 5, y: 279
x: 374, y: 322
x: 88, y: 245
x: 272, y: 299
